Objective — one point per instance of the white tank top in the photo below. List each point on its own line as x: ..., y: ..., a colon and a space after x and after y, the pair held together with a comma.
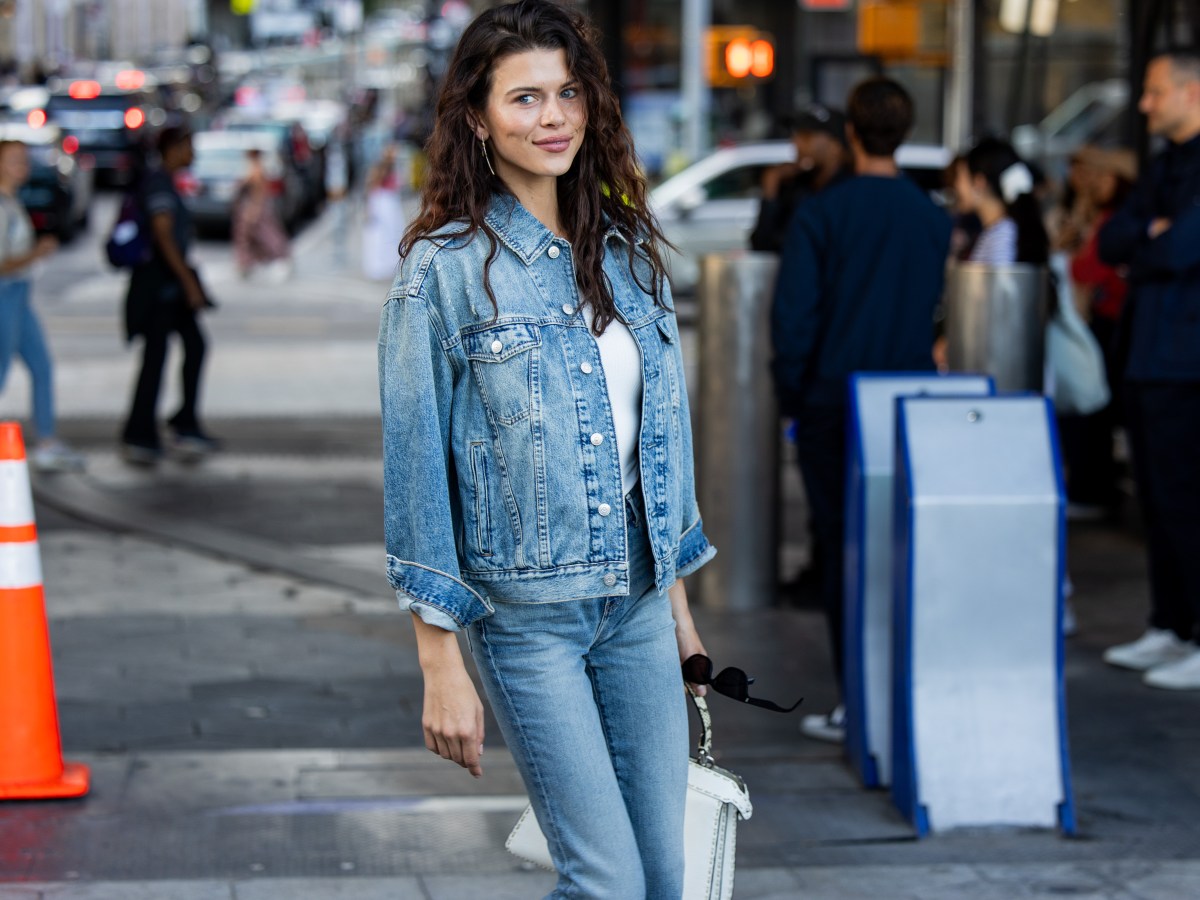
x: 621, y: 358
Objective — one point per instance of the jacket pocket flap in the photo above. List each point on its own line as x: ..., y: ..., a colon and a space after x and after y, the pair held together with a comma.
x: 501, y: 342
x: 664, y: 328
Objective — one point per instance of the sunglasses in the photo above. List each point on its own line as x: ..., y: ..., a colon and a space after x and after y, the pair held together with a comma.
x: 731, y: 682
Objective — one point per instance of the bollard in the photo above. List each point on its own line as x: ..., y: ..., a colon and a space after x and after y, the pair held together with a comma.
x: 996, y: 322
x: 737, y: 446
x: 870, y: 504
x: 979, y: 711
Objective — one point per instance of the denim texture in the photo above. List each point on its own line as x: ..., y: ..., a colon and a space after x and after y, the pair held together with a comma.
x: 502, y: 480
x: 590, y: 700
x: 21, y: 334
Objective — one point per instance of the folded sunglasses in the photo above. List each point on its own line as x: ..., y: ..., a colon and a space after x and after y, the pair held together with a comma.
x: 731, y: 682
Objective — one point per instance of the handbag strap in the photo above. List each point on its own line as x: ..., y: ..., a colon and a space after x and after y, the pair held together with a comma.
x: 704, y: 748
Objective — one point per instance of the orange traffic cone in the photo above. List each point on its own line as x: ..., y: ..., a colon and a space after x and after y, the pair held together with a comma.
x: 31, y: 764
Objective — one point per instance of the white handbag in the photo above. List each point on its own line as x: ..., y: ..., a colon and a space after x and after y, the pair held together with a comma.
x: 716, y: 799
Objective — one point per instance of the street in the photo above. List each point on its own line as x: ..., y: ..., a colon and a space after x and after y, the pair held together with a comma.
x: 230, y: 662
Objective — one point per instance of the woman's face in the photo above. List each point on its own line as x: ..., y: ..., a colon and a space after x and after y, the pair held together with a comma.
x: 1103, y: 188
x: 534, y: 119
x: 965, y: 193
x: 14, y: 165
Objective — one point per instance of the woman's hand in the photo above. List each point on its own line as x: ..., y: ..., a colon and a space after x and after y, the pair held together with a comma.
x: 685, y: 630
x: 452, y: 715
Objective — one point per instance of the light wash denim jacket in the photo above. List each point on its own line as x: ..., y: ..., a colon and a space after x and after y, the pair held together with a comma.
x: 501, y: 474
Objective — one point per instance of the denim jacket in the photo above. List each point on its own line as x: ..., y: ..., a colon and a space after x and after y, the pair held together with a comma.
x: 501, y: 472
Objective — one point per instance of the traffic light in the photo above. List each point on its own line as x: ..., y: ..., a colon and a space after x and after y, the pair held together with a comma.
x: 739, y: 55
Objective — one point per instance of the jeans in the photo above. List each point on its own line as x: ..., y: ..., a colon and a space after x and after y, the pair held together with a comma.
x: 821, y: 448
x: 21, y: 333
x: 166, y: 317
x: 590, y: 700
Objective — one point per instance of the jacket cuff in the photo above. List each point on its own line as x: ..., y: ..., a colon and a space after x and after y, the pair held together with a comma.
x: 439, y: 599
x: 694, y: 550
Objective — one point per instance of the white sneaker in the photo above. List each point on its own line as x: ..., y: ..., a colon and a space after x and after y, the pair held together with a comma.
x: 1181, y: 675
x: 55, y: 456
x: 830, y: 727
x: 1154, y: 648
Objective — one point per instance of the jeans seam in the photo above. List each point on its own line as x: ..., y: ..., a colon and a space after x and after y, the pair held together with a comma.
x: 549, y: 829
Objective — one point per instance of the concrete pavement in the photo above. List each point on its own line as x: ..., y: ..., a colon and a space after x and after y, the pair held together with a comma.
x: 230, y: 662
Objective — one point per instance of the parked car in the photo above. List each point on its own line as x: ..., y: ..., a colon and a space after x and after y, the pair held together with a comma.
x: 58, y: 194
x: 219, y: 166
x: 113, y: 120
x: 712, y: 205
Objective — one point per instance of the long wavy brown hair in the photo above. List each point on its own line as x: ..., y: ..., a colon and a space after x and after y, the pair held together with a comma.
x: 604, y: 186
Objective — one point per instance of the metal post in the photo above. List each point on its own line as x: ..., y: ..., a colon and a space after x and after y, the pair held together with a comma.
x: 960, y: 87
x: 737, y: 448
x: 1017, y: 92
x: 697, y: 16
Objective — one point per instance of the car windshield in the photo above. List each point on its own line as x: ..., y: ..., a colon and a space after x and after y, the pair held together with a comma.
x: 228, y: 162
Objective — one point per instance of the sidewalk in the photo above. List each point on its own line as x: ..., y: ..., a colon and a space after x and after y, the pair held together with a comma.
x: 231, y: 663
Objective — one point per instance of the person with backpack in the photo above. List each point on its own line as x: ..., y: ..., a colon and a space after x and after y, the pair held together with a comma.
x: 165, y: 297
x: 20, y: 331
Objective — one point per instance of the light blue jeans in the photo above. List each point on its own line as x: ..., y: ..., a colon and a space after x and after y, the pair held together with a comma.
x: 21, y: 334
x: 590, y: 699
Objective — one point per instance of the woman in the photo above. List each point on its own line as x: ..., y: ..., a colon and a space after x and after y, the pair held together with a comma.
x: 993, y: 182
x: 20, y: 330
x: 258, y: 235
x: 537, y: 452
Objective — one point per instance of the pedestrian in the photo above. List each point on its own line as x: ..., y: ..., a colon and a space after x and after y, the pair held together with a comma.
x: 20, y: 331
x: 166, y: 297
x: 819, y: 136
x: 1101, y: 289
x: 1156, y: 234
x: 385, y: 217
x: 259, y: 237
x: 538, y: 454
x: 860, y: 276
x: 993, y: 182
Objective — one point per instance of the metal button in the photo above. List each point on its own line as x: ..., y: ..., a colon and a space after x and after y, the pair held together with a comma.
x: 568, y: 309
x: 585, y: 368
x: 552, y: 252
x: 604, y: 509
x: 597, y: 440
x: 497, y: 346
x: 610, y: 580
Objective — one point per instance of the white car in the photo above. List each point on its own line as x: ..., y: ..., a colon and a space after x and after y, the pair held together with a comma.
x: 712, y: 205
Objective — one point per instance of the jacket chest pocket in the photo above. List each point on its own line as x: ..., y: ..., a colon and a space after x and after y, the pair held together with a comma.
x: 673, y: 377
x: 504, y: 361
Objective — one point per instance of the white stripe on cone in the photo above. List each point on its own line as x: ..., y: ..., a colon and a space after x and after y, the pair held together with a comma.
x: 20, y: 566
x: 16, y: 499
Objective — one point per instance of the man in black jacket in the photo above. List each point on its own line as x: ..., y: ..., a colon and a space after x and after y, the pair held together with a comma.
x: 822, y: 157
x: 1157, y: 235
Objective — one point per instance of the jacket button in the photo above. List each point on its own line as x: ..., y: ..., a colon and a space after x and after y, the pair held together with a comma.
x: 604, y: 509
x: 585, y: 368
x: 597, y: 440
x: 567, y: 307
x: 552, y: 252
x: 497, y: 346
x: 610, y: 579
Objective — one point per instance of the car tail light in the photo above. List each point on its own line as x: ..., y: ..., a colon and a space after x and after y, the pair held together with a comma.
x: 130, y: 79
x: 134, y: 118
x: 276, y: 186
x: 70, y: 144
x: 84, y: 90
x: 36, y: 118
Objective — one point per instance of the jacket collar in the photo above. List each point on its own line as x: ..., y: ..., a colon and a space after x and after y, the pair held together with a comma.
x: 520, y: 231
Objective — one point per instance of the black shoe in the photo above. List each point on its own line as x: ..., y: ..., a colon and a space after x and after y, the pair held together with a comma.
x: 144, y: 456
x: 195, y: 442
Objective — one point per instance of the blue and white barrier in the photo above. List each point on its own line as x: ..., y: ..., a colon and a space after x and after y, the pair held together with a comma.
x: 870, y: 505
x: 979, y: 714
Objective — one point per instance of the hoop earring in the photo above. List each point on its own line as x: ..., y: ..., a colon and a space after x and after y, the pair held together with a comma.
x: 487, y: 159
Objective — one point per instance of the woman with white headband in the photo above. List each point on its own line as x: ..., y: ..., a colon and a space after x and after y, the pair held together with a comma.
x: 993, y: 182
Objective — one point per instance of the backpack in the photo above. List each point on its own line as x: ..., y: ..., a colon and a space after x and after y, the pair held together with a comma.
x: 129, y: 243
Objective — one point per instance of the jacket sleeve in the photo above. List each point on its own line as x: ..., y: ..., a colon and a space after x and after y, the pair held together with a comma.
x: 1126, y: 231
x: 1174, y: 252
x: 794, y: 311
x: 416, y: 381
x: 694, y: 548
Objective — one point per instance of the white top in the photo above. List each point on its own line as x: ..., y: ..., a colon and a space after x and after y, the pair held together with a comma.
x: 621, y: 359
x: 997, y: 245
x: 16, y: 233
